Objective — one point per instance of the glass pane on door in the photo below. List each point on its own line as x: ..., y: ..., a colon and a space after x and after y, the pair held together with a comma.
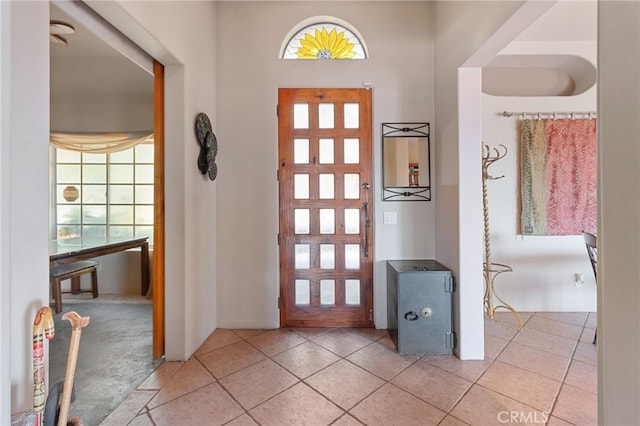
x: 327, y: 221
x: 301, y: 151
x: 351, y: 186
x: 302, y: 256
x: 352, y: 256
x: 326, y: 151
x: 301, y: 219
x: 300, y: 116
x: 352, y: 292
x: 327, y: 256
x: 303, y: 292
x: 351, y: 151
x: 351, y: 221
x: 301, y: 186
x: 351, y: 116
x: 325, y: 116
x: 327, y: 190
x: 327, y: 292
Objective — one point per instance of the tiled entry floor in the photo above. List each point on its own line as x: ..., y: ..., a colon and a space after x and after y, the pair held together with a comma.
x: 291, y: 376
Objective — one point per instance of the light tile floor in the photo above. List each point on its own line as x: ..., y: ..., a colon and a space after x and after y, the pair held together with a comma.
x: 310, y: 376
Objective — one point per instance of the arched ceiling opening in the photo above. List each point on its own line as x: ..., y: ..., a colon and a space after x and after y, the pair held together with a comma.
x: 538, y: 75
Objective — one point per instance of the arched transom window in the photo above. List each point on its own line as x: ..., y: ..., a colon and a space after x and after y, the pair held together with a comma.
x: 324, y: 40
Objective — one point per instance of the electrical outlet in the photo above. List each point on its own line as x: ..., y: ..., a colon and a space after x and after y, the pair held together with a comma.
x: 578, y: 279
x: 390, y: 218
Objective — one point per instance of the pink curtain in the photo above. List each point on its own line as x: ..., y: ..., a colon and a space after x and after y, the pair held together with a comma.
x: 558, y: 176
x: 571, y: 176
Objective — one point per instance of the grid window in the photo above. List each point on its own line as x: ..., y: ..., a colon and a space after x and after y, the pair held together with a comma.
x: 104, y: 195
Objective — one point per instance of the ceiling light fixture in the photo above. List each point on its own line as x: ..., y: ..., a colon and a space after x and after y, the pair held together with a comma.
x: 58, y: 39
x: 59, y: 27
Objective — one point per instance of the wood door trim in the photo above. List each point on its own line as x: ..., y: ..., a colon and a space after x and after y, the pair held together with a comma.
x: 158, y: 211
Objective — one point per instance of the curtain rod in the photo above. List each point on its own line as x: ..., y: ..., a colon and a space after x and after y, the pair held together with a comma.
x: 539, y: 115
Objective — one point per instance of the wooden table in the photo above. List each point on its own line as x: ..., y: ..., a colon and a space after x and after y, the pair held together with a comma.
x: 73, y: 249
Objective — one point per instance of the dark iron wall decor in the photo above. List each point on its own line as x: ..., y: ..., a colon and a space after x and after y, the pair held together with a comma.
x: 406, y: 162
x: 208, y: 146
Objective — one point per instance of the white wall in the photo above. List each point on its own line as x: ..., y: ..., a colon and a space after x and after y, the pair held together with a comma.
x: 176, y: 34
x: 618, y: 213
x: 543, y: 267
x: 118, y: 274
x: 25, y: 159
x: 461, y: 29
x: 91, y: 117
x: 5, y: 188
x: 399, y: 37
x: 182, y: 36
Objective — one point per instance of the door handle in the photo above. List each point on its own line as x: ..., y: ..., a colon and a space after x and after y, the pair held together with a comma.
x: 365, y: 209
x: 411, y: 316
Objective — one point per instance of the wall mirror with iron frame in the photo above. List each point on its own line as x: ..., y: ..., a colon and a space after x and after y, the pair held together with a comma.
x: 406, y: 162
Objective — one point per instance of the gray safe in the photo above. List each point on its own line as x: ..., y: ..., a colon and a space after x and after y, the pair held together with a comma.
x: 420, y: 306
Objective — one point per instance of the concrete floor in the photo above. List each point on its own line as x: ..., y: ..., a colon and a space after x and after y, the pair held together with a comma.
x: 114, y: 355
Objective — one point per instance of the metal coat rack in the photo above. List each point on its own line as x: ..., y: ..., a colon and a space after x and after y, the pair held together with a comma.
x: 491, y: 269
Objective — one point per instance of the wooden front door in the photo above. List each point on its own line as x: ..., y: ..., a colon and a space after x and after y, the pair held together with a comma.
x: 325, y: 234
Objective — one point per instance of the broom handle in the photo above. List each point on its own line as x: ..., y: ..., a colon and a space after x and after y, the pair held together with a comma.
x: 77, y: 324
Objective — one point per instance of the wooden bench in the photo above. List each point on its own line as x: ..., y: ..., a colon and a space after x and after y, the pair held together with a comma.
x: 72, y: 271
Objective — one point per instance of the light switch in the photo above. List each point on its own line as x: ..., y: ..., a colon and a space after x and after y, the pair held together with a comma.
x: 390, y: 218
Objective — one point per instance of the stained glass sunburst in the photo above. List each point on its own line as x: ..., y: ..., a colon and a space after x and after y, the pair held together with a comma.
x: 324, y: 41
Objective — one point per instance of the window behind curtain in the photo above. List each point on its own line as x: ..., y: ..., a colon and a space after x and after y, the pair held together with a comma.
x: 115, y: 193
